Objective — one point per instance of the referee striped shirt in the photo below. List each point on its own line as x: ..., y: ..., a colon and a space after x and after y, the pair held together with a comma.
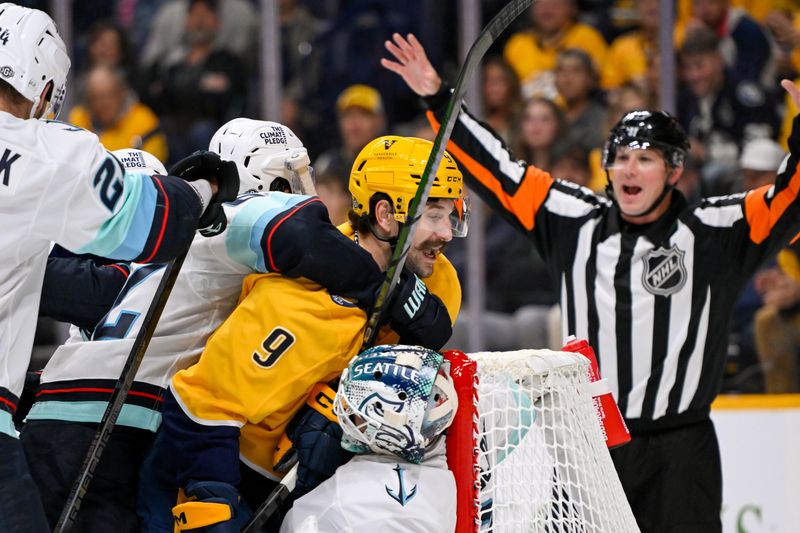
x: 654, y: 300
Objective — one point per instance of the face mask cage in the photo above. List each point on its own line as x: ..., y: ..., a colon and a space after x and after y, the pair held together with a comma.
x: 456, y: 222
x: 363, y: 433
x: 442, y: 405
x: 459, y: 218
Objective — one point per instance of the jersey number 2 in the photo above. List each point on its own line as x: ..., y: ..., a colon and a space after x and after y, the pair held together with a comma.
x: 274, y: 346
x: 108, y: 181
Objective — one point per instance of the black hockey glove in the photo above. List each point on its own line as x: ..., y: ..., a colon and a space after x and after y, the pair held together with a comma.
x: 205, y: 165
x: 315, y: 446
x: 209, y: 166
x: 213, y: 222
x: 419, y: 317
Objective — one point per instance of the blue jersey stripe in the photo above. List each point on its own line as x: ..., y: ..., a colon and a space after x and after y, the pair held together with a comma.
x: 125, y: 234
x: 245, y: 231
x: 134, y: 416
x: 7, y: 425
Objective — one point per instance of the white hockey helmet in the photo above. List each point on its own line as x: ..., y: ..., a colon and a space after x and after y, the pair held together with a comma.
x: 140, y: 161
x: 270, y: 153
x: 32, y: 54
x: 395, y: 400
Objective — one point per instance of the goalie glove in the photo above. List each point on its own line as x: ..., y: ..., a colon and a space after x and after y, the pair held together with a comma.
x: 313, y: 440
x: 211, y: 507
x: 419, y: 317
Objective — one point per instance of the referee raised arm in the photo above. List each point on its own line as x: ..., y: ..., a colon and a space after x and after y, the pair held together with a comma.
x: 649, y: 279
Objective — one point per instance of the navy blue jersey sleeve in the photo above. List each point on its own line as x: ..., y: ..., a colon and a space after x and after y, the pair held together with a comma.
x: 79, y: 291
x: 174, y: 222
x: 306, y: 244
x: 201, y: 453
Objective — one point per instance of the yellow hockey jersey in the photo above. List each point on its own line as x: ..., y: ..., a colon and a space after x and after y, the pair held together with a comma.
x: 258, y: 368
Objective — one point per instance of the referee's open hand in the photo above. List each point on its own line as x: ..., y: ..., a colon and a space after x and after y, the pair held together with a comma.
x: 793, y: 90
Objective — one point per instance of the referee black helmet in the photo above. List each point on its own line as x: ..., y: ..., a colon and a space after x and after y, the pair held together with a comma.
x: 648, y: 129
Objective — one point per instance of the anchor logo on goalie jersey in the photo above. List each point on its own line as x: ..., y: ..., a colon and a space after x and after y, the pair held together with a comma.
x: 401, y: 496
x: 664, y: 271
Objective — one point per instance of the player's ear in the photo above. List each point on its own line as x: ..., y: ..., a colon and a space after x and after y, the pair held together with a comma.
x: 384, y: 216
x: 44, y: 99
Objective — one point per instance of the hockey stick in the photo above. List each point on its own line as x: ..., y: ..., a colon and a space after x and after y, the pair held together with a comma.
x: 117, y: 400
x: 492, y: 30
x: 500, y: 22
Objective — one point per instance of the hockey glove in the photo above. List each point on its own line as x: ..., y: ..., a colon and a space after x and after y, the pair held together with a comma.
x: 205, y: 165
x: 212, y: 507
x: 315, y: 438
x: 214, y: 221
x: 419, y: 317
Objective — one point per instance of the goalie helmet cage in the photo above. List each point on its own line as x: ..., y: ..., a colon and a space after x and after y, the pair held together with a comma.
x: 527, y: 449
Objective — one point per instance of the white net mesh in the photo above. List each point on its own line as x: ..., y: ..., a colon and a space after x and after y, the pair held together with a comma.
x: 544, y: 465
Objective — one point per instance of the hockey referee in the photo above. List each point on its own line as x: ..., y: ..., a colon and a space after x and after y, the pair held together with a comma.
x: 649, y: 279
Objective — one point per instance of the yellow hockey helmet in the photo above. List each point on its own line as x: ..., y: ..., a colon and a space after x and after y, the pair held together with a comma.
x: 393, y: 165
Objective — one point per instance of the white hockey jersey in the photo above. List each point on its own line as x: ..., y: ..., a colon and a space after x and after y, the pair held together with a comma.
x: 57, y: 183
x: 380, y: 493
x: 78, y: 380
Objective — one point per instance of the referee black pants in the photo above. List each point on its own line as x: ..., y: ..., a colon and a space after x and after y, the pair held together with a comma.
x: 673, y: 479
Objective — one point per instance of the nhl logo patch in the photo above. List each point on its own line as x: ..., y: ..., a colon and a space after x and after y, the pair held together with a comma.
x: 664, y: 271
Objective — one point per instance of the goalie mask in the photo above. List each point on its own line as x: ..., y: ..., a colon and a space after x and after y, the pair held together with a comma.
x: 32, y: 55
x: 140, y: 161
x: 393, y: 166
x: 269, y: 155
x: 395, y: 400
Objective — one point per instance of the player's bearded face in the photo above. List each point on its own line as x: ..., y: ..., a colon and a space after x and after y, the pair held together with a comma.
x: 434, y: 232
x: 422, y: 256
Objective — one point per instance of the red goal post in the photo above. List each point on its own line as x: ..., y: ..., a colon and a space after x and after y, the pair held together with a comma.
x: 526, y: 447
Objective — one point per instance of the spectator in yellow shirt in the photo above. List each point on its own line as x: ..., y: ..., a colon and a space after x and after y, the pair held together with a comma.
x: 113, y: 113
x: 533, y: 53
x: 630, y: 54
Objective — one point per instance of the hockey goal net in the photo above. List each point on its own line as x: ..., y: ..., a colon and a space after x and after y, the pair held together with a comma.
x: 527, y: 449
